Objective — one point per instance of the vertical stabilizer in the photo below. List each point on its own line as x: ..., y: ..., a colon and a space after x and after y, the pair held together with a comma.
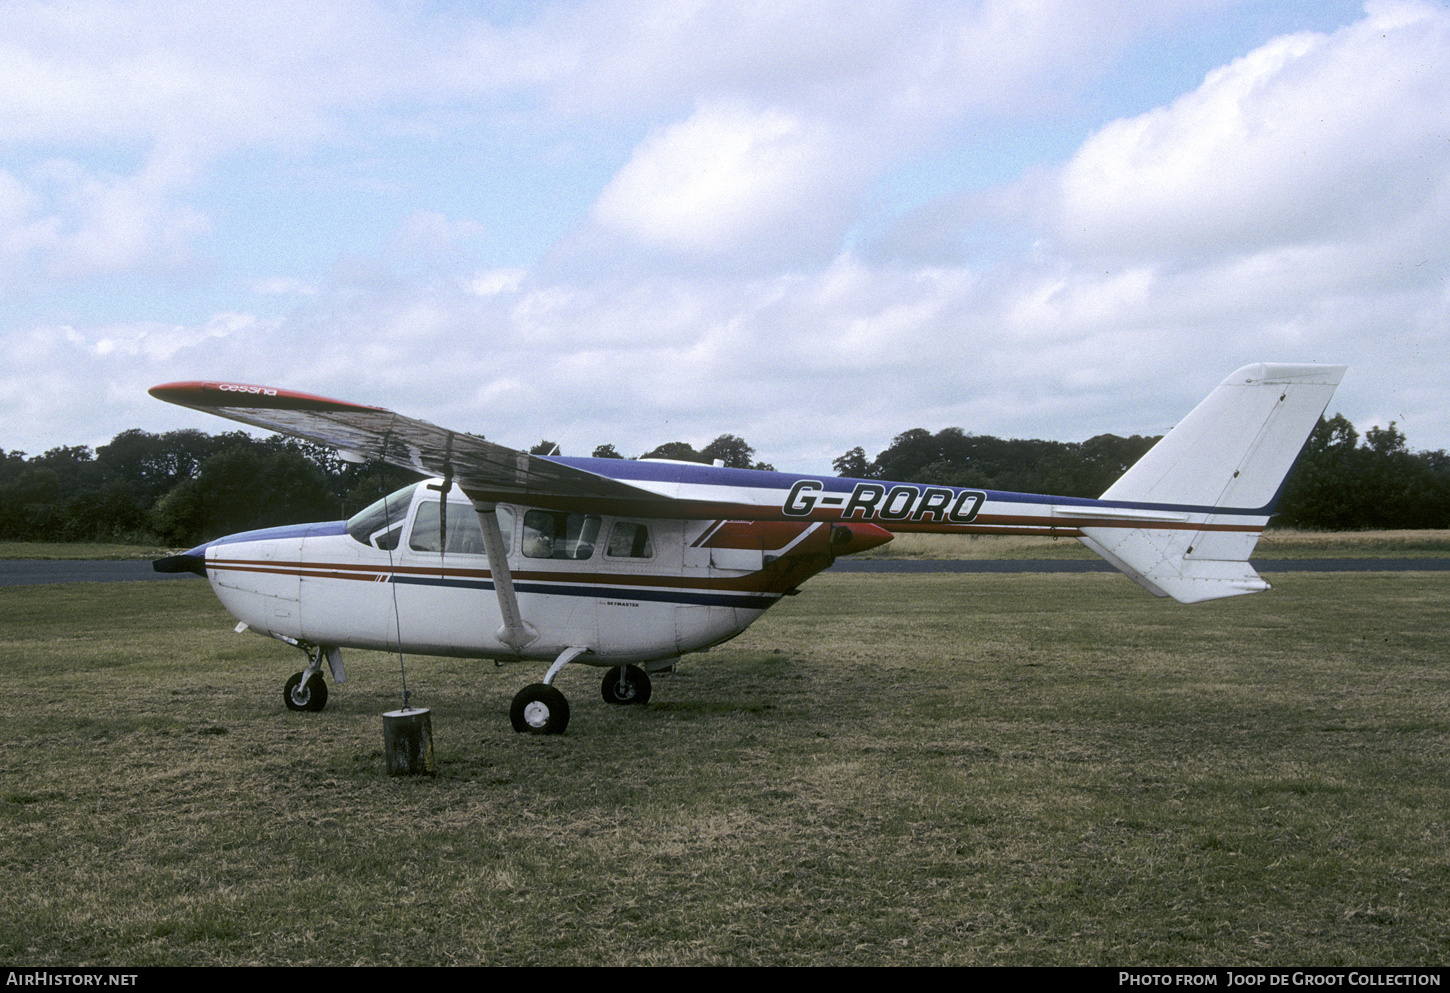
x: 1224, y: 465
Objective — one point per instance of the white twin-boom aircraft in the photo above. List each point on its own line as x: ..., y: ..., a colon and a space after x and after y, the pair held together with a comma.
x: 630, y: 564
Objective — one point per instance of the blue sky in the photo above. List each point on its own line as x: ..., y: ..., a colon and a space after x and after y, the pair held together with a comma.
x: 811, y: 224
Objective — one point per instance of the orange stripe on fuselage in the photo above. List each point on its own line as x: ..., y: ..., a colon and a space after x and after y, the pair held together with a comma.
x: 757, y: 582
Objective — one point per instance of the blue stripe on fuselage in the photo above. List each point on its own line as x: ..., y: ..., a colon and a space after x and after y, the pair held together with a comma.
x: 748, y: 601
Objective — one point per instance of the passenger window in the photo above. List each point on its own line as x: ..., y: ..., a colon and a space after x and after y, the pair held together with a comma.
x: 465, y: 533
x: 629, y: 540
x: 553, y: 535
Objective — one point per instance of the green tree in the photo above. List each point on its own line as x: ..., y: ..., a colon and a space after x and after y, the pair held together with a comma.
x: 680, y: 451
x: 733, y: 452
x: 957, y: 458
x: 1102, y: 459
x: 853, y: 465
x: 1339, y: 484
x: 155, y: 463
x: 242, y: 488
x: 30, y: 504
x: 75, y: 466
x: 1385, y: 441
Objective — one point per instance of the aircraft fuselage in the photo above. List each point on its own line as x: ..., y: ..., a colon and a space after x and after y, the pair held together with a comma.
x: 627, y: 590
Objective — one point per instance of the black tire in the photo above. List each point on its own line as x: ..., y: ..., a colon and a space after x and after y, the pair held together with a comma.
x: 311, y: 697
x: 539, y: 709
x: 626, y: 684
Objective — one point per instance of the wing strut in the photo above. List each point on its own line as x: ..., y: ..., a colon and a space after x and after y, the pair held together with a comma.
x: 515, y: 631
x: 443, y: 502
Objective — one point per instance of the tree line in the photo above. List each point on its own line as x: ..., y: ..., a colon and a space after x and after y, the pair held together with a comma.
x: 179, y: 488
x: 1340, y: 482
x: 185, y: 487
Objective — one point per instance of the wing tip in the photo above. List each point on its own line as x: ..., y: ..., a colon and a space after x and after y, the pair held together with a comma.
x: 212, y: 394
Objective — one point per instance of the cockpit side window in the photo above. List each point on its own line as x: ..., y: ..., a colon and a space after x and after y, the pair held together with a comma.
x: 629, y: 540
x: 552, y: 534
x: 465, y: 534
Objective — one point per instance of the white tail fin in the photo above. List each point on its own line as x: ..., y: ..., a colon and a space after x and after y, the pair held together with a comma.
x: 1223, y: 467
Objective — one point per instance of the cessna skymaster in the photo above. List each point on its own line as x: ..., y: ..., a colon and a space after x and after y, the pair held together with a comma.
x: 630, y: 564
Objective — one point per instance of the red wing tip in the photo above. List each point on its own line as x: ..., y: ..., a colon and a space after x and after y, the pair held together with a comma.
x: 218, y: 394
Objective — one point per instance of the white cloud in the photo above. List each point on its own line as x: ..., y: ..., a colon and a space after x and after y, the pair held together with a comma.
x: 161, y: 342
x: 217, y: 75
x: 1308, y: 138
x: 907, y: 64
x: 798, y: 109
x: 492, y: 282
x: 65, y: 221
x: 724, y: 178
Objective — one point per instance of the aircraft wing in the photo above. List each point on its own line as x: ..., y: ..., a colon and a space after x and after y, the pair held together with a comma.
x: 485, y: 470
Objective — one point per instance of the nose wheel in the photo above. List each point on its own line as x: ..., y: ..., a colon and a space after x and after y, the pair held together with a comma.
x: 310, y: 694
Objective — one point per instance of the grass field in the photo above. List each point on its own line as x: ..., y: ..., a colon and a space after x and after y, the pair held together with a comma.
x: 932, y: 769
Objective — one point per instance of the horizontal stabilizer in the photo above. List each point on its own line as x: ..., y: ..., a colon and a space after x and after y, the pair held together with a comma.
x: 1155, y: 560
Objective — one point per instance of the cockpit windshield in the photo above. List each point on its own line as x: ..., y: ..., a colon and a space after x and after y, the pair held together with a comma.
x: 381, y: 523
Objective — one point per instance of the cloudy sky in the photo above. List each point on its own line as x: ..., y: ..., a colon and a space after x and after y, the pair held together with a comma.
x: 811, y: 223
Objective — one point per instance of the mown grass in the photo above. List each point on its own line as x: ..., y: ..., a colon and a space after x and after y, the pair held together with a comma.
x: 933, y: 769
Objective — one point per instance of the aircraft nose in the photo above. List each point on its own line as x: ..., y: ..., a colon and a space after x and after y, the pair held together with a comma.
x: 193, y: 560
x: 848, y: 539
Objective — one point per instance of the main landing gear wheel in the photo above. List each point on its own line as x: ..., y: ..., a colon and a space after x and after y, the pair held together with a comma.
x: 539, y: 709
x: 626, y: 684
x: 312, y: 696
